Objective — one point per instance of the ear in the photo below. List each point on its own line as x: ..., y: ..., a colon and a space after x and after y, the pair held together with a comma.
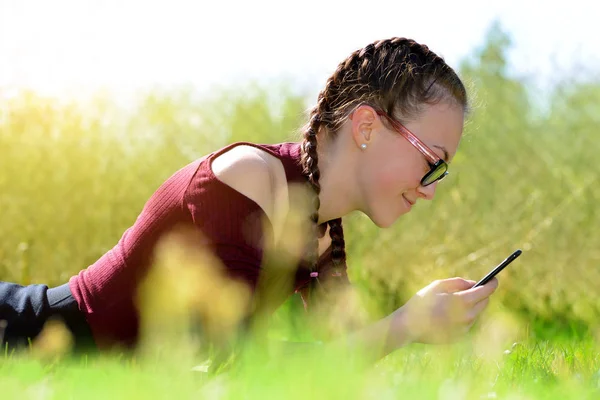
x: 364, y: 122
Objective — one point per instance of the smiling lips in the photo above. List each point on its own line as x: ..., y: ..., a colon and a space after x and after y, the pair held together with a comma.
x: 410, y: 203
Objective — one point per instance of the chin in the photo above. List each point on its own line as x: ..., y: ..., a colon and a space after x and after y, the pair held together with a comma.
x: 385, y: 225
x: 384, y: 221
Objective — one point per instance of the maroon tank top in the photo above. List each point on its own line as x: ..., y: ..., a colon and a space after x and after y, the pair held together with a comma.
x: 231, y: 225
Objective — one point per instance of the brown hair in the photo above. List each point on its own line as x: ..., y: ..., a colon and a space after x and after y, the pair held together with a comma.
x: 397, y: 76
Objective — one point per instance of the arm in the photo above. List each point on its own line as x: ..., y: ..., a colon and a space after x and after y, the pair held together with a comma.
x: 379, y: 338
x: 234, y: 213
x: 340, y: 322
x: 441, y: 312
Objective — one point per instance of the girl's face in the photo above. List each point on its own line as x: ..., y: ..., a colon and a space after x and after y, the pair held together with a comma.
x: 390, y: 168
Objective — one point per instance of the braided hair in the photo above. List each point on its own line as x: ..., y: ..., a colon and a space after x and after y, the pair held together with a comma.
x: 396, y: 75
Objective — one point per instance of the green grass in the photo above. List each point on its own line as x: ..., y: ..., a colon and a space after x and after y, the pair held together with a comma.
x: 529, y: 370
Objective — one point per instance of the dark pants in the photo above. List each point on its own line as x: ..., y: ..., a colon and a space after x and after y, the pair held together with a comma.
x: 25, y: 309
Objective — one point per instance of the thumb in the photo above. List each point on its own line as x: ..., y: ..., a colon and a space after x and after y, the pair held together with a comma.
x: 452, y: 285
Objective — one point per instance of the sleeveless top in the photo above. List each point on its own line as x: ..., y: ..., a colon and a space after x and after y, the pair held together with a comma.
x: 231, y: 226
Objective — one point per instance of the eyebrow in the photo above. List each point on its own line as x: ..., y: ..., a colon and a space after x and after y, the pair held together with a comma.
x: 444, y: 150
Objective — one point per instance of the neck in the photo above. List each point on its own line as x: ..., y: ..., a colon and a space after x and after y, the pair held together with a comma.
x: 338, y: 189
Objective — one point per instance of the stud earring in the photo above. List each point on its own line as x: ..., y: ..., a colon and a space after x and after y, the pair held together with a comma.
x: 363, y: 146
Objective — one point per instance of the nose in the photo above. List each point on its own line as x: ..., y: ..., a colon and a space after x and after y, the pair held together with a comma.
x: 427, y: 192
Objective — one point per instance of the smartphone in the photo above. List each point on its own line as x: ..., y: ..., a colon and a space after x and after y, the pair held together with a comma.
x: 499, y: 268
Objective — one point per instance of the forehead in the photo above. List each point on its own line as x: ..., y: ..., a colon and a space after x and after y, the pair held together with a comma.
x: 439, y: 126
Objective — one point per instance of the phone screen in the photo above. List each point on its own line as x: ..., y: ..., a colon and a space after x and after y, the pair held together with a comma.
x: 499, y: 268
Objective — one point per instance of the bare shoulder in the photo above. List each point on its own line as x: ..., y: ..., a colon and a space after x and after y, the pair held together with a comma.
x: 251, y: 171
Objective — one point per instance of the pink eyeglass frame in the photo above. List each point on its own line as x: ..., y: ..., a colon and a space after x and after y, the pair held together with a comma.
x: 435, y: 162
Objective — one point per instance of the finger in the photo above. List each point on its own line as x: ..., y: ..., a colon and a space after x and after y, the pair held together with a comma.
x: 467, y: 328
x: 477, y: 309
x: 452, y: 285
x: 475, y: 295
x: 468, y: 283
x: 470, y: 318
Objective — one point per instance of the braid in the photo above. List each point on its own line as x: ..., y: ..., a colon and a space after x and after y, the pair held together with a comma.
x: 321, y: 115
x: 310, y: 164
x: 338, y: 245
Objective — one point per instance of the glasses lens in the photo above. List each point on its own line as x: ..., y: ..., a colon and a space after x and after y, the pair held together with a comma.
x: 437, y: 172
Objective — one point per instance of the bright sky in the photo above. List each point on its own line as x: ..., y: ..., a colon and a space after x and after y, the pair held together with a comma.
x: 79, y: 45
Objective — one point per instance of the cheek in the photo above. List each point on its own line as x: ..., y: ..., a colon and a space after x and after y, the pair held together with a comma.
x: 398, y: 176
x: 381, y: 186
x: 385, y: 200
x: 383, y: 183
x: 389, y: 182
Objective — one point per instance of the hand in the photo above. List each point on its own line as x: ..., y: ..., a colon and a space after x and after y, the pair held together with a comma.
x: 443, y: 311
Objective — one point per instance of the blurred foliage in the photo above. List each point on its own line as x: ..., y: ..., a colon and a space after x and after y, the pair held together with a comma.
x: 525, y: 371
x: 73, y: 177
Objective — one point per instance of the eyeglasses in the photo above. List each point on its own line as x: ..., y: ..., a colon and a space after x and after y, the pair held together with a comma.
x: 438, y: 167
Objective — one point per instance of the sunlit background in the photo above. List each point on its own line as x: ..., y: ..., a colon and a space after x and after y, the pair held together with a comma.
x: 100, y: 101
x: 71, y: 46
